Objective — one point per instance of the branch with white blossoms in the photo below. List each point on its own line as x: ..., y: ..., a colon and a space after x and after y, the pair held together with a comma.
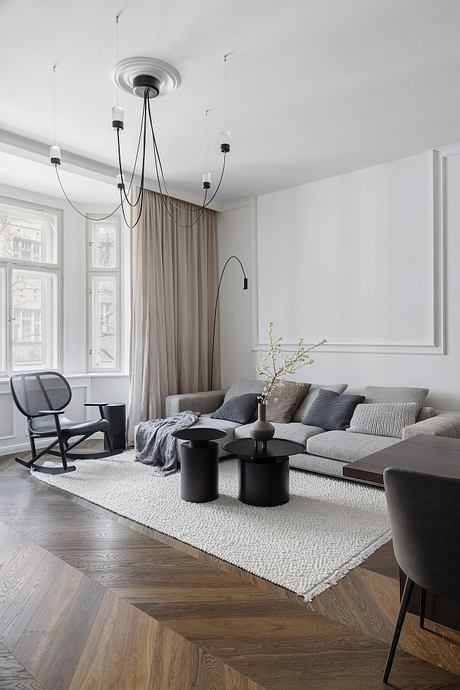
x: 274, y: 365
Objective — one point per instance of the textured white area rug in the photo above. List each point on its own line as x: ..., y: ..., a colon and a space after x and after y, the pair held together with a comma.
x: 327, y: 528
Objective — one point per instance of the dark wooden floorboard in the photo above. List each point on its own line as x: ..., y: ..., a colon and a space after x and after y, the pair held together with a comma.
x: 13, y: 675
x: 90, y: 600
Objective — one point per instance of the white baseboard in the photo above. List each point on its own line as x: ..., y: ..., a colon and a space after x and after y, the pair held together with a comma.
x: 25, y: 447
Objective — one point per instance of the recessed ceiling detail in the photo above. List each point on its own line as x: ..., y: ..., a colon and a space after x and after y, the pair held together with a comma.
x: 124, y: 75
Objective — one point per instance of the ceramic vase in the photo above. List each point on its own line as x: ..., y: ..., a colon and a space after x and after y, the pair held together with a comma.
x: 262, y: 430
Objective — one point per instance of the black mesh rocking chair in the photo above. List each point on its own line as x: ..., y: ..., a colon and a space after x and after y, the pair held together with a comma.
x: 41, y: 397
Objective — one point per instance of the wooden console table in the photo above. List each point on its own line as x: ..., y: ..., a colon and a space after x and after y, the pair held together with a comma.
x: 434, y: 454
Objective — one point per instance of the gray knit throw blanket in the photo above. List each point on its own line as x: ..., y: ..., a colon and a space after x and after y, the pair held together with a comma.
x: 155, y: 444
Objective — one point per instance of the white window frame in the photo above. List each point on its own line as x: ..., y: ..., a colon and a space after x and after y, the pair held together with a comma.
x: 112, y: 272
x: 55, y: 269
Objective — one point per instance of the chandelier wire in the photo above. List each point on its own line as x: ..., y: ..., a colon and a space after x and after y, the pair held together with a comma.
x: 168, y: 202
x: 140, y: 197
x: 160, y: 176
x: 88, y: 216
x: 120, y: 165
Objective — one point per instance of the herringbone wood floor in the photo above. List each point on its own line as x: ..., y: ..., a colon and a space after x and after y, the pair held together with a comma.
x: 92, y: 601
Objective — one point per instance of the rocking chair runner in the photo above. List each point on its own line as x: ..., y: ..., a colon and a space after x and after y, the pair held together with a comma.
x: 42, y: 397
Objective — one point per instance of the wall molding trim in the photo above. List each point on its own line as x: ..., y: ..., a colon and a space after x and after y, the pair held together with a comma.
x: 449, y: 150
x: 438, y: 345
x: 12, y: 434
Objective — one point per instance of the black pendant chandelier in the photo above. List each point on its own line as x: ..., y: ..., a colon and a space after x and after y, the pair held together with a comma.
x: 147, y: 78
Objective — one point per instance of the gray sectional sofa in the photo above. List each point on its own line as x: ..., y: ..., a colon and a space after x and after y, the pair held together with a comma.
x: 326, y: 452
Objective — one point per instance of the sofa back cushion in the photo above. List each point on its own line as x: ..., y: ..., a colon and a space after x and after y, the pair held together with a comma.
x: 243, y: 387
x: 285, y: 401
x: 383, y: 419
x: 332, y: 411
x: 384, y: 394
x: 310, y: 398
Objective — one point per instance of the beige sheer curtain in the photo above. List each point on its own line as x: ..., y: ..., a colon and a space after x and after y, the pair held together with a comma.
x: 174, y: 282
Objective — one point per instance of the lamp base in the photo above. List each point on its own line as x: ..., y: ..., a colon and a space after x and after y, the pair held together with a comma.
x: 146, y: 85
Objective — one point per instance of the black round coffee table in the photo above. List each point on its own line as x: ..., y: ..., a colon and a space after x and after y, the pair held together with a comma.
x: 199, y: 463
x: 264, y: 469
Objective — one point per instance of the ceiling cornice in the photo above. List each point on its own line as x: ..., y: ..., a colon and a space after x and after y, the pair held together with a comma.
x: 38, y: 151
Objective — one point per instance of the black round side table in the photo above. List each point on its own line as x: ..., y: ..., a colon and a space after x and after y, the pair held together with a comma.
x: 115, y: 413
x: 264, y: 469
x: 199, y: 464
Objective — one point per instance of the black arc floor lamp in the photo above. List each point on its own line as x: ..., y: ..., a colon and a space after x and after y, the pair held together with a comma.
x: 245, y: 287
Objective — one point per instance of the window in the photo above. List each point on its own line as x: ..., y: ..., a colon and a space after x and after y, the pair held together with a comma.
x: 29, y: 286
x: 104, y: 295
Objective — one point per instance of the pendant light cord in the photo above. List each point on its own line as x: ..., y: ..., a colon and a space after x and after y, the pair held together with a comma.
x: 120, y: 164
x: 159, y: 167
x: 162, y: 182
x: 91, y: 217
x: 225, y: 91
x: 117, y: 73
x: 54, y: 102
x: 84, y: 215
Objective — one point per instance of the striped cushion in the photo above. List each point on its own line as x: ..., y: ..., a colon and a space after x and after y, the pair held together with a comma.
x: 239, y: 409
x: 332, y: 411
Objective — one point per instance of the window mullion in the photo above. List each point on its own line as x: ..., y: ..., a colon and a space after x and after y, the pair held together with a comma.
x: 103, y: 296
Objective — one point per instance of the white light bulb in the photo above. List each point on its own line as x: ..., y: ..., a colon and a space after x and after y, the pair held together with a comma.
x: 118, y: 117
x: 55, y: 155
x: 206, y: 180
x: 225, y: 137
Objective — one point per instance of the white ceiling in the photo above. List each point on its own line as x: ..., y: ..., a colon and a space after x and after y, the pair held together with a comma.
x: 20, y: 172
x: 317, y: 87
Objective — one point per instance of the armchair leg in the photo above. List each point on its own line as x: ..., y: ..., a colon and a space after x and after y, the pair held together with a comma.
x: 408, y: 587
x: 63, y: 451
x: 30, y: 464
x: 108, y: 441
x: 57, y: 470
x: 422, y: 607
x: 26, y: 463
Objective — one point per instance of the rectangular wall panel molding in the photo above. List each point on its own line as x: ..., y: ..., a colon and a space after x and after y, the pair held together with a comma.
x: 6, y: 416
x: 358, y: 259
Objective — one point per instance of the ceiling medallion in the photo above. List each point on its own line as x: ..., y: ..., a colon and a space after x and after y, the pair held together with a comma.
x: 127, y: 70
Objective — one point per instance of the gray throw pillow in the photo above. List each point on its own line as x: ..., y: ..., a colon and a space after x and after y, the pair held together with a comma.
x: 239, y: 409
x: 310, y: 398
x: 383, y: 419
x: 332, y: 411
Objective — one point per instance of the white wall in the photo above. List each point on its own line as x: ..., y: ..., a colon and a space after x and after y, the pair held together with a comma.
x: 85, y: 387
x: 236, y: 235
x: 296, y: 232
x: 342, y: 248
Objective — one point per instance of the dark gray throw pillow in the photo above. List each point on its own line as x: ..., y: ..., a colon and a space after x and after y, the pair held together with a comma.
x: 239, y: 409
x: 332, y: 411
